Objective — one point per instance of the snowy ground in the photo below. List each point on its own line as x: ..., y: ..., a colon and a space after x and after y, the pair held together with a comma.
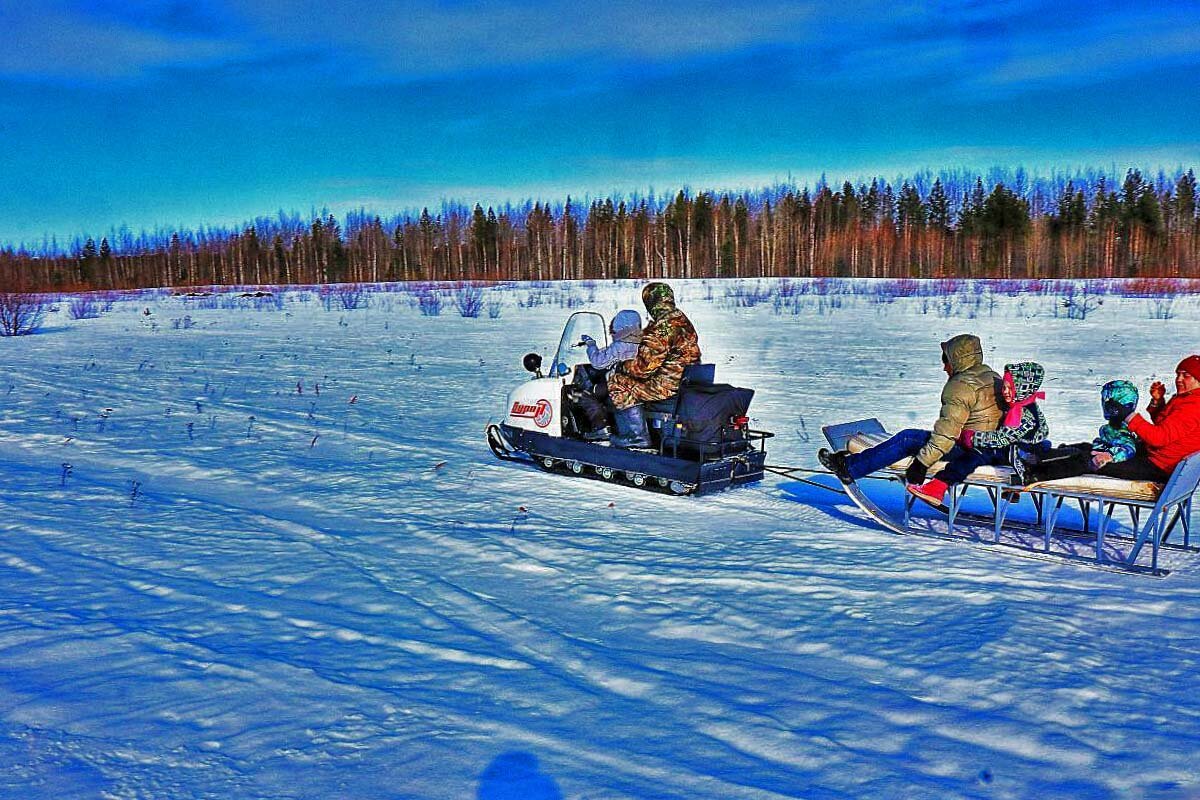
x: 241, y: 588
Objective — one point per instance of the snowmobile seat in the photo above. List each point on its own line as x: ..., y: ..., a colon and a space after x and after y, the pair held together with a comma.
x: 702, y: 422
x: 693, y: 375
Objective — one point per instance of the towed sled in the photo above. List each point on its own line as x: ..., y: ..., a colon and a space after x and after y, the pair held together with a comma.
x: 1155, y: 511
x: 700, y: 438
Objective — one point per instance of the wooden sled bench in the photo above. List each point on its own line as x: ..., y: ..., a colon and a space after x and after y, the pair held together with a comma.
x: 1155, y: 510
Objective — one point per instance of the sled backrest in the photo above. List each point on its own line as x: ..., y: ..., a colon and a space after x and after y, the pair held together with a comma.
x: 1183, y: 482
x: 839, y: 435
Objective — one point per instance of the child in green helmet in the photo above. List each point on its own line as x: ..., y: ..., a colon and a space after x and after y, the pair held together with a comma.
x: 1114, y: 443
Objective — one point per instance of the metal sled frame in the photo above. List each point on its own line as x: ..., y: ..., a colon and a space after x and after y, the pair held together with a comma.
x: 1172, y: 509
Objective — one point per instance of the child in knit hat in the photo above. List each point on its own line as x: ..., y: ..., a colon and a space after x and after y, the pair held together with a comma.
x: 1022, y: 426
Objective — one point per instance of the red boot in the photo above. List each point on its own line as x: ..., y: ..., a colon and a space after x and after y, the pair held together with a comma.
x: 933, y: 492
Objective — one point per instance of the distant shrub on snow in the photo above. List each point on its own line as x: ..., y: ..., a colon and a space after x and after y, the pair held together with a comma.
x: 1080, y: 300
x: 429, y: 302
x: 350, y: 295
x: 21, y: 313
x: 469, y: 300
x: 83, y: 307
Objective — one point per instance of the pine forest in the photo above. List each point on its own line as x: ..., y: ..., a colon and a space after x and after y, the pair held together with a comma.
x: 1006, y: 225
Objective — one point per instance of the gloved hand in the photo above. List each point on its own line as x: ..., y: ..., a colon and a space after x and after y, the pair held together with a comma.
x: 1100, y: 458
x: 585, y: 339
x: 966, y: 438
x: 916, y: 472
x: 1157, y: 392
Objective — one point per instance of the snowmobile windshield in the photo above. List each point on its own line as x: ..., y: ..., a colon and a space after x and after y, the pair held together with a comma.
x: 570, y: 348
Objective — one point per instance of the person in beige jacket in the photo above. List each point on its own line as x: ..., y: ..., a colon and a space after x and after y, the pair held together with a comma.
x: 968, y: 403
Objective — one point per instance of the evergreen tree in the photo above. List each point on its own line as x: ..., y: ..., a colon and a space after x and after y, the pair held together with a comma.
x: 1139, y: 205
x: 887, y: 206
x: 970, y: 217
x: 280, y: 252
x: 939, y: 208
x: 1185, y: 201
x: 909, y: 208
x: 87, y: 263
x: 871, y: 204
x: 1003, y: 223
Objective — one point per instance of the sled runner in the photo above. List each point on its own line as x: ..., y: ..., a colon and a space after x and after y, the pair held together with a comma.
x: 1155, y: 511
x: 700, y: 438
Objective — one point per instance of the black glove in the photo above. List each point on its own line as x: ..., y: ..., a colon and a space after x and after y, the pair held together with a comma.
x: 916, y: 472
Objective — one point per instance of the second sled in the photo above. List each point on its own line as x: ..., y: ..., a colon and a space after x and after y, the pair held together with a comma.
x: 1155, y: 511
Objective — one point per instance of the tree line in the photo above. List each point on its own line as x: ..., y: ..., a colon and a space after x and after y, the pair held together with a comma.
x: 1002, y: 225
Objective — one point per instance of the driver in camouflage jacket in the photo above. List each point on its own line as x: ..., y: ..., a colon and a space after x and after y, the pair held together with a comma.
x: 669, y: 343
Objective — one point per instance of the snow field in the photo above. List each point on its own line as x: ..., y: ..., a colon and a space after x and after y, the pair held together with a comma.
x: 241, y: 587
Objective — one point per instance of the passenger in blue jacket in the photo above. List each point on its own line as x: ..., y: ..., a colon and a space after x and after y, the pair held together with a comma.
x: 1115, y: 443
x: 591, y: 385
x: 626, y: 329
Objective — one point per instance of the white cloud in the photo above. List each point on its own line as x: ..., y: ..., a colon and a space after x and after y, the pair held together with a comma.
x: 1106, y: 50
x: 49, y: 41
x: 417, y: 39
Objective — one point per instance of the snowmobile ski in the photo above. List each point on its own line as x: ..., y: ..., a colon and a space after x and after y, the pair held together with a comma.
x: 500, y: 446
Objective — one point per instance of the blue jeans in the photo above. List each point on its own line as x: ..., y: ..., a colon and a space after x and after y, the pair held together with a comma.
x: 958, y: 467
x: 904, y: 444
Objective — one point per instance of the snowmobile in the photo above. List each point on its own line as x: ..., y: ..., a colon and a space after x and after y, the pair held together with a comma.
x: 700, y: 438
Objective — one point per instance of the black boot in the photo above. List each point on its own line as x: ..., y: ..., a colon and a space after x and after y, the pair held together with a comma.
x: 1066, y: 461
x: 835, y: 462
x: 631, y: 428
x: 1020, y: 467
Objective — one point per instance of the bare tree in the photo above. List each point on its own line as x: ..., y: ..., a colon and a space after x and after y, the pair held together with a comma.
x: 21, y: 313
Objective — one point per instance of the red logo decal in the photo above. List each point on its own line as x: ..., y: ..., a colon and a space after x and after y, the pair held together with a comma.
x: 541, y: 413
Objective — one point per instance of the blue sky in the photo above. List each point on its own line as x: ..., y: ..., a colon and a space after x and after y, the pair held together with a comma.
x: 185, y: 113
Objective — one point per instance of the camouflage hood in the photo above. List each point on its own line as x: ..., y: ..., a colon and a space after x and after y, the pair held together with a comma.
x: 962, y: 352
x: 659, y: 299
x: 1027, y: 378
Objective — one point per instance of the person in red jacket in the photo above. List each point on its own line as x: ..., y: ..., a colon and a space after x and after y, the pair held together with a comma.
x: 1173, y: 431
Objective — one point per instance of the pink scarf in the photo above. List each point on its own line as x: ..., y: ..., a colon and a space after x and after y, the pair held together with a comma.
x: 1012, y: 417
